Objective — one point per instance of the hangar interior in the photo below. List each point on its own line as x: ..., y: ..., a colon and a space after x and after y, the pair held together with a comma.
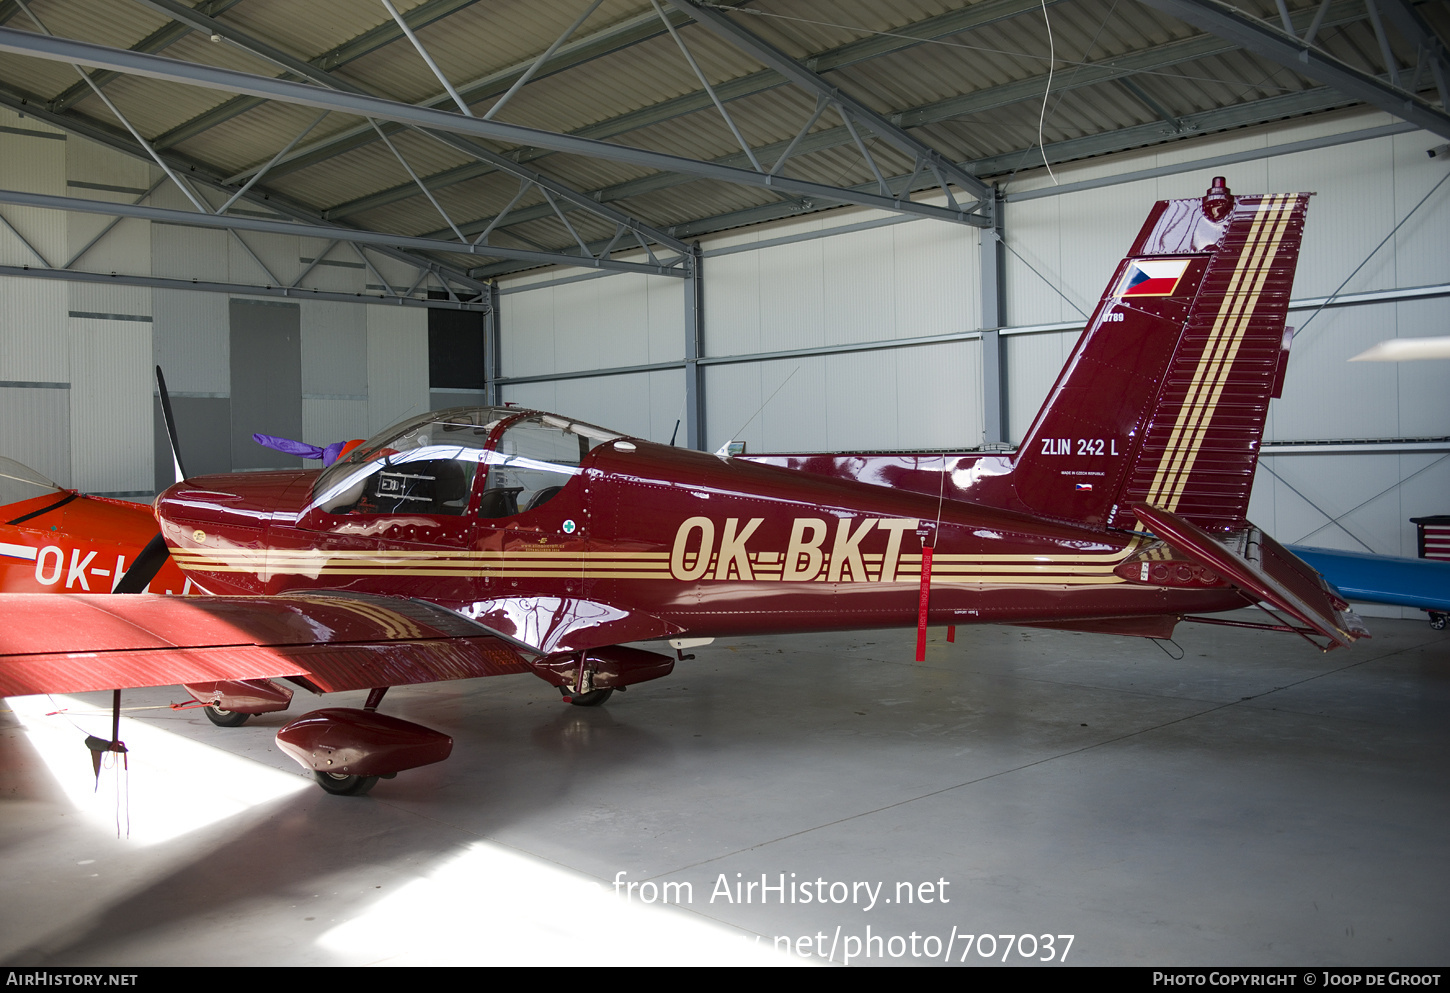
x: 846, y: 226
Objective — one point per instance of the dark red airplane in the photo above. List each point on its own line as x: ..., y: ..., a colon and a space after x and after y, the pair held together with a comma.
x: 491, y: 540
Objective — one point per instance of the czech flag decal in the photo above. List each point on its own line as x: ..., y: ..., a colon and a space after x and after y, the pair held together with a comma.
x: 1151, y: 277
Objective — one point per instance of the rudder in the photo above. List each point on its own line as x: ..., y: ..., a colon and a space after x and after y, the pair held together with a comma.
x: 1164, y: 398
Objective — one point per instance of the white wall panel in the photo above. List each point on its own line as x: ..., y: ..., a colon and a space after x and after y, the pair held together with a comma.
x: 1033, y: 363
x: 191, y: 340
x: 326, y: 421
x: 111, y: 419
x: 600, y: 323
x: 621, y: 320
x: 1098, y: 228
x: 278, y: 252
x: 1421, y: 387
x: 666, y: 318
x: 1327, y: 397
x: 30, y: 163
x: 1425, y: 492
x: 861, y: 402
x: 934, y: 279
x: 1422, y: 246
x: 187, y: 253
x: 732, y: 304
x: 37, y: 430
x: 33, y: 331
x: 732, y: 395
x: 43, y: 231
x: 939, y: 396
x: 537, y: 396
x: 339, y: 271
x: 858, y: 272
x: 792, y: 296
x: 526, y: 344
x: 397, y: 364
x: 335, y: 349
x: 109, y: 298
x: 1033, y: 269
x: 1347, y: 218
x: 793, y: 418
x: 644, y: 405
x: 125, y: 248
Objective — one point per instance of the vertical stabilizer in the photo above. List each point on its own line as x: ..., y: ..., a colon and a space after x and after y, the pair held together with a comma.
x: 1164, y: 398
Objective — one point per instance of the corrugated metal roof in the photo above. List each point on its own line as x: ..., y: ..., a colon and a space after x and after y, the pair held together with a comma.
x: 967, y: 79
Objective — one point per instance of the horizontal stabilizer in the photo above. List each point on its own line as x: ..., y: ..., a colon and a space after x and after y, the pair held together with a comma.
x: 1264, y: 569
x: 1422, y: 583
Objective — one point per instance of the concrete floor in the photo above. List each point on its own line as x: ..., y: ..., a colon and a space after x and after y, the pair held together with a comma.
x: 1253, y: 803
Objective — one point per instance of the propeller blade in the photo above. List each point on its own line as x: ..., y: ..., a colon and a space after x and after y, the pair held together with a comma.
x: 170, y: 420
x: 146, y: 566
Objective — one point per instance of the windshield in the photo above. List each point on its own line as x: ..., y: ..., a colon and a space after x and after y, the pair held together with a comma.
x: 429, y: 464
x: 18, y: 482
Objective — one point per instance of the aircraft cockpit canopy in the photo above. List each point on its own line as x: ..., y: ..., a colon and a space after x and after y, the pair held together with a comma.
x: 430, y: 464
x: 18, y: 482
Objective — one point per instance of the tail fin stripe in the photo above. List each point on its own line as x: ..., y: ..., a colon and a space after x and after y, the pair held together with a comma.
x: 1192, y: 401
x: 1211, y: 372
x: 1256, y: 272
x: 1193, y: 410
x: 1235, y: 339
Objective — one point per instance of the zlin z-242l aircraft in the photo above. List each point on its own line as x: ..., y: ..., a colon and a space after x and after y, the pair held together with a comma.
x: 492, y: 540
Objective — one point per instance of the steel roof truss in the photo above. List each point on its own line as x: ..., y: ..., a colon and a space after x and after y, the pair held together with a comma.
x: 524, y: 185
x: 409, y: 170
x: 308, y: 71
x: 700, y: 75
x: 187, y: 191
x: 538, y: 63
x: 941, y: 25
x: 271, y: 162
x: 1272, y: 43
x: 769, y: 55
x: 66, y: 50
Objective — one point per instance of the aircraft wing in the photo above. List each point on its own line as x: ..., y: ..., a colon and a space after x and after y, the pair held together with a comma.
x: 70, y: 644
x: 551, y: 625
x: 1423, y: 583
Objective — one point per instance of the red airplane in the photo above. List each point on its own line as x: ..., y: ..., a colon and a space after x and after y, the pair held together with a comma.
x: 54, y: 540
x: 491, y: 540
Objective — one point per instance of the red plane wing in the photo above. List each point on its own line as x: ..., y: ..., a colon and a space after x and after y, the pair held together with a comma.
x: 60, y: 644
x: 550, y: 625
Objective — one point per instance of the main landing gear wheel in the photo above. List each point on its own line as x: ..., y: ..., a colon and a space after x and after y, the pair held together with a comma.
x: 591, y: 699
x: 225, y: 718
x: 339, y: 784
x: 1437, y: 621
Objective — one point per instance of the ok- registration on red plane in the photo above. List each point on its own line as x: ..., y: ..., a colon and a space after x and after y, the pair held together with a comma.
x: 490, y: 540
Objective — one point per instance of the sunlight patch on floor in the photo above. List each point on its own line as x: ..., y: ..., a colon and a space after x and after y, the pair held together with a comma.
x: 492, y: 906
x: 170, y: 786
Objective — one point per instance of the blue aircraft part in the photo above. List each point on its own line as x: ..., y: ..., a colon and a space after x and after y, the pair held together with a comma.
x: 1423, y: 583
